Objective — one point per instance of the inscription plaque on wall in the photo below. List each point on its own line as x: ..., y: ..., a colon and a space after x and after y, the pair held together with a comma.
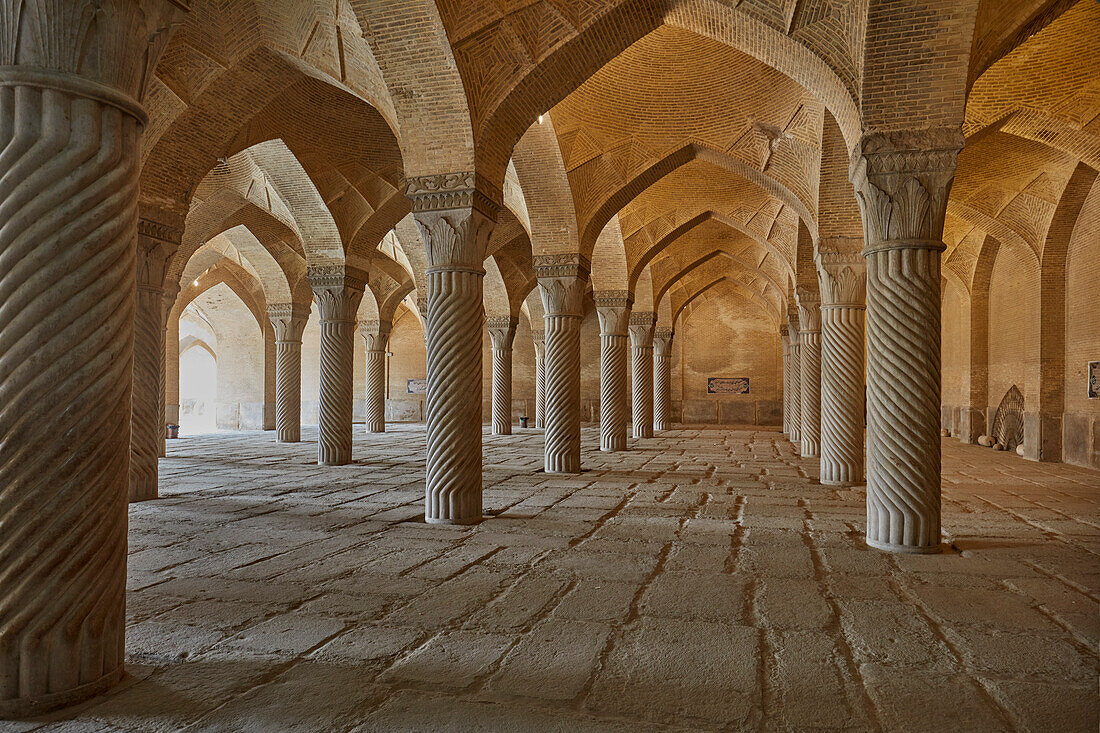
x: 727, y: 385
x: 1094, y: 380
x: 418, y: 386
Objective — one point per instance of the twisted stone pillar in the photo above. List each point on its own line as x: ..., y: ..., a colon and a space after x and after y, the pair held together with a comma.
x: 662, y: 378
x: 539, y: 338
x: 562, y: 280
x: 289, y: 322
x: 376, y: 334
x: 613, y: 309
x: 502, y: 332
x: 795, y: 385
x: 641, y: 342
x: 337, y: 291
x: 455, y: 221
x: 69, y: 167
x: 809, y: 360
x: 786, y: 380
x: 171, y: 291
x: 843, y: 293
x: 902, y: 182
x: 156, y: 245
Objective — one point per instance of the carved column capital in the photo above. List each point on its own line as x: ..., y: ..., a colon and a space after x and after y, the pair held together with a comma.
x: 337, y: 290
x: 47, y: 48
x: 641, y: 328
x: 843, y: 279
x: 376, y: 334
x: 502, y: 331
x: 447, y: 192
x: 156, y: 245
x: 613, y: 309
x: 288, y: 320
x: 902, y: 181
x: 455, y: 238
x: 539, y: 337
x: 809, y: 310
x: 562, y: 282
x: 662, y: 341
x: 792, y: 325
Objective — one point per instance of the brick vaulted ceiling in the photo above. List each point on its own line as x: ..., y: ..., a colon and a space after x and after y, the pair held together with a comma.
x: 684, y: 137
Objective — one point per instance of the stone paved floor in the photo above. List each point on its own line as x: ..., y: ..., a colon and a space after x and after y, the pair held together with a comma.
x: 700, y: 581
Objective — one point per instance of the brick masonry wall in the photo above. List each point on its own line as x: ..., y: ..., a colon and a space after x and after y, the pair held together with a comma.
x: 1014, y: 328
x: 729, y: 337
x: 956, y: 345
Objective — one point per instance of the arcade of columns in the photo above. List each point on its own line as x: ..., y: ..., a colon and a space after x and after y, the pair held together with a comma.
x: 83, y: 302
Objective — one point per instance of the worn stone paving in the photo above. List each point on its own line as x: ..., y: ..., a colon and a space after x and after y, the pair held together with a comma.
x: 701, y: 580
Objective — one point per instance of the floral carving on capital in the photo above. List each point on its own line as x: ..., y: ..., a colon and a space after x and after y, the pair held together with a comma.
x: 376, y: 334
x: 563, y: 280
x: 456, y: 238
x: 843, y: 279
x: 502, y: 331
x: 902, y: 182
x: 288, y: 320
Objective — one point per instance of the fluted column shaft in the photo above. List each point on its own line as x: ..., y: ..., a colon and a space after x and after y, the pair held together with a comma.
x: 641, y: 346
x: 171, y: 291
x: 156, y: 244
x: 795, y: 385
x: 902, y: 181
x: 539, y: 338
x: 70, y: 135
x: 455, y: 238
x: 613, y: 309
x: 376, y: 335
x: 289, y: 321
x: 146, y: 425
x: 786, y: 381
x: 809, y: 361
x: 662, y: 378
x: 562, y: 280
x: 842, y: 385
x: 502, y: 332
x: 337, y: 292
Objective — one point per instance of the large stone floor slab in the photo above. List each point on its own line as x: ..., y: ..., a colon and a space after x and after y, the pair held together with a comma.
x: 700, y: 581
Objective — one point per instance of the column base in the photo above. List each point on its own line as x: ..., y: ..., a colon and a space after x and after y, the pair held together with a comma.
x: 288, y: 440
x: 843, y: 484
x: 460, y: 522
x: 143, y: 493
x: 563, y: 470
x: 29, y: 707
x: 905, y: 549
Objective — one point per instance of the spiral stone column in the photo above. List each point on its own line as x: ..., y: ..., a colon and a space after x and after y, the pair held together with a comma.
x: 156, y: 244
x: 902, y: 182
x: 502, y: 332
x: 641, y: 342
x: 786, y: 380
x: 289, y: 322
x: 795, y: 385
x: 662, y: 378
x: 613, y: 309
x: 562, y: 280
x: 843, y: 293
x: 171, y: 291
x: 376, y: 334
x: 455, y: 220
x: 337, y: 291
x: 809, y: 358
x: 539, y: 338
x: 70, y: 95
